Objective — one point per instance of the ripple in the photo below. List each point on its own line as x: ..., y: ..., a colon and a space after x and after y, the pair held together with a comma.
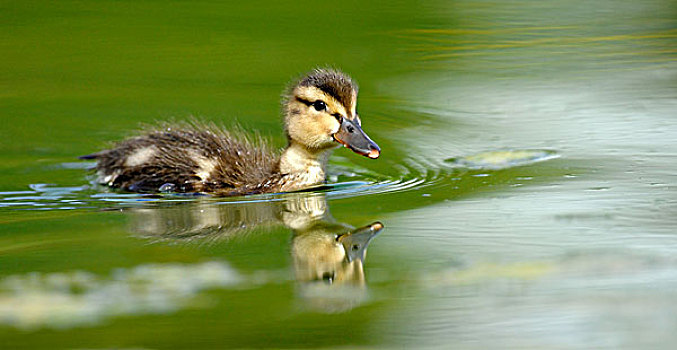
x: 348, y: 181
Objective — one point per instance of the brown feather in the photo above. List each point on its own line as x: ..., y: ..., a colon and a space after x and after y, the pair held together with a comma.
x: 240, y: 165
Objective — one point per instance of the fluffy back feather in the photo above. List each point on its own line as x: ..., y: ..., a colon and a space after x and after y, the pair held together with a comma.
x: 199, y: 157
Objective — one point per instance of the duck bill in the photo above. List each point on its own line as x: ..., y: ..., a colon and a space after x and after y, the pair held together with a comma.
x: 350, y: 135
x: 355, y: 242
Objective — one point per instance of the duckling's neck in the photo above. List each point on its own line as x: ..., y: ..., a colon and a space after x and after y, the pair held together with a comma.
x: 303, y: 167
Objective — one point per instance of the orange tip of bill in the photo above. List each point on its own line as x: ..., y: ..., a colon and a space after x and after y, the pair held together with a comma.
x: 374, y: 154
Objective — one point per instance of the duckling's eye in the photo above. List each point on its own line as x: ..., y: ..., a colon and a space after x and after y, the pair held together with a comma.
x: 320, y: 105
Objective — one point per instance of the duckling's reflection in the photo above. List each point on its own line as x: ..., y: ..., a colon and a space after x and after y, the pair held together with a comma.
x: 327, y: 256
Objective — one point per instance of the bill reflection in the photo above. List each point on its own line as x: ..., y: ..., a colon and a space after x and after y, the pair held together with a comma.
x: 327, y: 256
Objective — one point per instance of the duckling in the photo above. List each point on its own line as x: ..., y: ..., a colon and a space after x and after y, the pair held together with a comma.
x: 319, y: 115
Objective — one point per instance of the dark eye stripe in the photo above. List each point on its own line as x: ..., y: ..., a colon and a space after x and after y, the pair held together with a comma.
x: 318, y: 104
x: 338, y: 116
x: 305, y: 102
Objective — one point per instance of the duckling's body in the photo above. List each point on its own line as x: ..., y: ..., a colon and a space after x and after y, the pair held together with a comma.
x: 190, y: 158
x: 319, y: 112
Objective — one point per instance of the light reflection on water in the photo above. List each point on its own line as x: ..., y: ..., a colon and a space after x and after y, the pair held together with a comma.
x: 64, y: 300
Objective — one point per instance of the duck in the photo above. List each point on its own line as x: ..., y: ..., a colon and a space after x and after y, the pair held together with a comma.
x: 319, y: 115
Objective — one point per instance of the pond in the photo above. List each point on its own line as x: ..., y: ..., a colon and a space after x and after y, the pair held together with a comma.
x: 525, y: 197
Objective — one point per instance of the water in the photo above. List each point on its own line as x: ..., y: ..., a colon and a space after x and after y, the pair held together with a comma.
x: 526, y: 184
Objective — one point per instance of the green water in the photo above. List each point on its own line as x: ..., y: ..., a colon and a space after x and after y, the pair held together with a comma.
x: 527, y: 183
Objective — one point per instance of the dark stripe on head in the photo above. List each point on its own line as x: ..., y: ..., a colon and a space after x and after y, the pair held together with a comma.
x: 332, y: 82
x: 305, y: 102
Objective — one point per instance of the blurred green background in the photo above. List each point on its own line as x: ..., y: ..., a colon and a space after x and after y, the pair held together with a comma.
x: 572, y: 252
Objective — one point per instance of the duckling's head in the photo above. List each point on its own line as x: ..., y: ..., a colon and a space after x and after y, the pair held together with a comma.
x: 330, y: 267
x: 320, y: 113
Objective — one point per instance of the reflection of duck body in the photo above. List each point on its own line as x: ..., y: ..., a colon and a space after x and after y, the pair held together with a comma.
x: 320, y: 110
x: 328, y: 257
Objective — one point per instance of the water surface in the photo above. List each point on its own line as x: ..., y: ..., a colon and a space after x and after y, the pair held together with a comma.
x: 526, y: 187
